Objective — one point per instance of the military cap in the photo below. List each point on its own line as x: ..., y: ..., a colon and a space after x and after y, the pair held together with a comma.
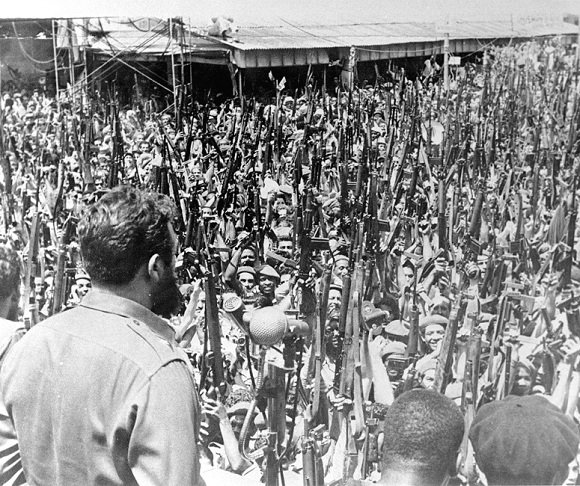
x: 397, y: 328
x: 432, y: 319
x: 246, y: 269
x: 268, y: 271
x: 523, y: 440
x: 394, y: 347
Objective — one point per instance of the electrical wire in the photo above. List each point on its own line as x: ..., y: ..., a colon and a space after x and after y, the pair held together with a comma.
x: 26, y: 55
x: 116, y: 57
x: 144, y: 75
x: 109, y: 63
x: 141, y: 47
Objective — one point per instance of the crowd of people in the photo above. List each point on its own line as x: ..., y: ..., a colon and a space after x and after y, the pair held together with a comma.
x: 372, y: 284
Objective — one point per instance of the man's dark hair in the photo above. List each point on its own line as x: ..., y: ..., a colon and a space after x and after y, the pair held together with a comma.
x: 423, y: 433
x: 122, y: 231
x: 9, y: 271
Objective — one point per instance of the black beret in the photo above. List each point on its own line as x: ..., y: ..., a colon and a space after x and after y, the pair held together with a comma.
x: 523, y: 440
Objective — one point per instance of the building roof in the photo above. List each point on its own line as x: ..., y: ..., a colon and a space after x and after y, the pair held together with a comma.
x: 141, y: 37
x: 289, y: 35
x: 308, y: 32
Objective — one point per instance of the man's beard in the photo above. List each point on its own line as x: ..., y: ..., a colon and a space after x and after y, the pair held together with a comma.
x: 166, y: 296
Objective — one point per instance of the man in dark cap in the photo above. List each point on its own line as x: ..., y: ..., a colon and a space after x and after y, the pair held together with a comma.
x: 268, y: 280
x: 523, y: 440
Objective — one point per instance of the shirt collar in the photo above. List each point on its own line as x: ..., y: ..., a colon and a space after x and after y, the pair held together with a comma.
x: 114, y: 304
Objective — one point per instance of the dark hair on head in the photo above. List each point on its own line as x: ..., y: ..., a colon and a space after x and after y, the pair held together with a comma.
x: 9, y: 271
x: 423, y: 432
x: 122, y: 231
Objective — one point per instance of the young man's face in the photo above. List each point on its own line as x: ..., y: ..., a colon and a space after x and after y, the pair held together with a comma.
x: 428, y: 379
x: 267, y: 284
x: 285, y: 248
x: 434, y: 335
x: 522, y: 383
x: 247, y: 280
x: 83, y: 286
x: 334, y: 298
x: 341, y: 267
x: 408, y: 275
x: 248, y: 258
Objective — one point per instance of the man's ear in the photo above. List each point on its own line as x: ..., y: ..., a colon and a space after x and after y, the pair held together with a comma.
x: 155, y: 267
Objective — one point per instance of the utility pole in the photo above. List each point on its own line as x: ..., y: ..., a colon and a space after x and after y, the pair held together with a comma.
x: 55, y: 65
x: 446, y: 61
x: 175, y: 107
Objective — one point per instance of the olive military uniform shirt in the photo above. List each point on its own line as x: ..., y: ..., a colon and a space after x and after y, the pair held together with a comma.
x: 99, y: 394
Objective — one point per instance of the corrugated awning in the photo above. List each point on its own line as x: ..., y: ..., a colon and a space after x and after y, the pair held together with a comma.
x: 290, y: 44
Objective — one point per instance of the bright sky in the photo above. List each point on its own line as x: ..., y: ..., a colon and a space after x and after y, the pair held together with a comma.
x: 248, y: 12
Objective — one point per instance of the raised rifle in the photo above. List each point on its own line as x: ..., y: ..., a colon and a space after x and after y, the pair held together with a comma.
x: 60, y: 287
x: 469, y: 399
x: 371, y: 452
x: 445, y: 358
x: 30, y: 272
x: 413, y: 343
x: 267, y: 161
x: 212, y: 322
x: 7, y: 200
x: 84, y: 155
x: 319, y: 338
x: 441, y: 215
x: 567, y: 275
x: 118, y: 149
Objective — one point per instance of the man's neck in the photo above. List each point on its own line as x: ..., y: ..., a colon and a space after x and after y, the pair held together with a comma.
x: 134, y: 291
x: 406, y: 478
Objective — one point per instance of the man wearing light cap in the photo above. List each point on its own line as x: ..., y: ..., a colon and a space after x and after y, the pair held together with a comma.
x: 81, y: 287
x: 432, y: 330
x: 247, y: 277
x: 393, y: 356
x: 397, y: 330
x: 340, y: 268
x: 334, y: 296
